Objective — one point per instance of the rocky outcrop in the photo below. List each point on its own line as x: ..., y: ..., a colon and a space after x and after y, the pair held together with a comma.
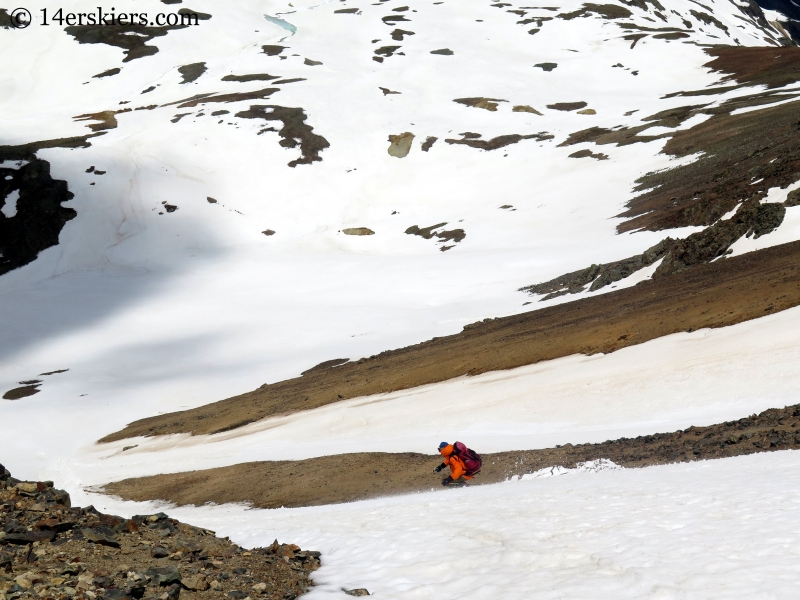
x: 50, y: 549
x: 751, y: 219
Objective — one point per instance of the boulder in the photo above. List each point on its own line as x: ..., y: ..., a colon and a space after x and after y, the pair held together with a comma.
x: 100, y: 537
x: 30, y: 537
x: 164, y: 575
x: 196, y: 583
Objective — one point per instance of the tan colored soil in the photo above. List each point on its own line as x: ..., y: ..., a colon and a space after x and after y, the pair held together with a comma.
x: 351, y: 477
x: 722, y: 293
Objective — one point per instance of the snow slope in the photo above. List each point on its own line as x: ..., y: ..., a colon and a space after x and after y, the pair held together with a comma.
x: 697, y: 378
x: 153, y: 311
x: 718, y: 529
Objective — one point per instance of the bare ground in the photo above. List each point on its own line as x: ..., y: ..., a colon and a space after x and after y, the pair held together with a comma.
x: 722, y: 293
x: 350, y: 477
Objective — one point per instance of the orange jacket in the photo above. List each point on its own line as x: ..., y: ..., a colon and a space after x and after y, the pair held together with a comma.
x: 457, y: 466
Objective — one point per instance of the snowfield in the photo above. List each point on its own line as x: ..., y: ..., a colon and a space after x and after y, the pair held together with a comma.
x: 717, y: 529
x: 670, y: 383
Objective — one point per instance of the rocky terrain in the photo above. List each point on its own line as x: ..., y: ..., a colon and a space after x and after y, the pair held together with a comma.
x: 350, y: 477
x: 52, y: 550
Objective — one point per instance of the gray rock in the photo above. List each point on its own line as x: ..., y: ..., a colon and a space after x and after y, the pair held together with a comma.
x: 164, y: 575
x: 102, y: 538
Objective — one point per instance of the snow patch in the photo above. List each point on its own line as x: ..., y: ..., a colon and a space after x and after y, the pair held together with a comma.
x: 9, y: 209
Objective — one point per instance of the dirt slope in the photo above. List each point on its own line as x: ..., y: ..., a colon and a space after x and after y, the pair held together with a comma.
x: 351, y: 477
x: 722, y: 293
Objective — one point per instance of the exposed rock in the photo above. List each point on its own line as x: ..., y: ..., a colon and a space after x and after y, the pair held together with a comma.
x: 358, y: 231
x: 39, y: 215
x: 50, y: 550
x: 546, y: 66
x: 199, y: 583
x: 526, y: 108
x: 607, y: 11
x: 454, y: 235
x: 131, y: 38
x: 792, y: 198
x: 566, y: 106
x: 400, y: 145
x: 489, y: 104
x: 752, y: 218
x: 294, y: 132
x: 469, y: 139
x: 587, y: 111
x: 356, y: 592
x: 108, y: 73
x: 428, y: 143
x: 192, y: 72
x: 443, y: 52
x: 21, y: 392
x: 250, y: 77
x: 588, y: 154
x: 100, y: 536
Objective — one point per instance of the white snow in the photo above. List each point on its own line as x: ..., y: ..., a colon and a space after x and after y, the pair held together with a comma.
x: 10, y: 204
x: 699, y: 378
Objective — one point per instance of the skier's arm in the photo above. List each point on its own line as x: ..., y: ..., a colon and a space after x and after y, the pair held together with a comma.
x: 456, y: 468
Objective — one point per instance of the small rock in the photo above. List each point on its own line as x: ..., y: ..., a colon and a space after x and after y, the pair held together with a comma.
x: 159, y: 552
x: 358, y: 231
x: 260, y: 587
x: 30, y: 537
x: 356, y: 592
x: 164, y: 575
x: 100, y: 537
x: 215, y: 585
x: 25, y: 581
x: 237, y: 595
x: 268, y: 232
x: 196, y: 583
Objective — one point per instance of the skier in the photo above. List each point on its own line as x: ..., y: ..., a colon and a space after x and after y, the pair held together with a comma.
x: 464, y: 463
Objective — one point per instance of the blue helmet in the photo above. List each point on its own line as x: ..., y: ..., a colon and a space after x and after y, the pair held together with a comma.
x: 442, y: 445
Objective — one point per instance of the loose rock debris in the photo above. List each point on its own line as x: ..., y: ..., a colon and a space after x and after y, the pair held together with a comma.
x: 50, y: 549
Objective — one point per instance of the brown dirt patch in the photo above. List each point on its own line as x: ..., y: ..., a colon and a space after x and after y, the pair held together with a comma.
x: 606, y: 11
x: 501, y: 141
x: 294, y: 131
x: 744, y: 156
x: 21, y: 392
x: 251, y: 77
x: 722, y: 293
x: 191, y: 72
x: 351, y: 477
x: 772, y: 67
